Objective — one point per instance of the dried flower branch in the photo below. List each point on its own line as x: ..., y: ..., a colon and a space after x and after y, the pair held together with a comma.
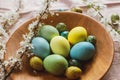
x: 94, y: 9
x: 6, y: 21
x: 8, y: 66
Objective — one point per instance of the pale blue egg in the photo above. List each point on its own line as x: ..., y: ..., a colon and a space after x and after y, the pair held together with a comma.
x: 82, y: 51
x: 41, y: 47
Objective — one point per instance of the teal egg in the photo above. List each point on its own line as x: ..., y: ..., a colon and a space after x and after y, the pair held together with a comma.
x: 82, y: 51
x: 41, y: 47
x: 64, y: 34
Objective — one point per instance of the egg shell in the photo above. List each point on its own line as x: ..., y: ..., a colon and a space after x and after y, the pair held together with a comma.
x: 82, y: 51
x: 77, y: 34
x: 60, y: 45
x: 48, y: 32
x: 64, y: 34
x: 41, y: 47
x: 55, y: 64
x: 36, y: 63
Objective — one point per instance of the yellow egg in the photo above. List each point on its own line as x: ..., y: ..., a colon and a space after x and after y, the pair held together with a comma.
x: 36, y: 63
x: 77, y: 34
x: 60, y: 45
x: 73, y: 72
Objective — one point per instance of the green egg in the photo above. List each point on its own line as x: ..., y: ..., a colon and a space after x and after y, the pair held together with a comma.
x: 48, y: 32
x: 55, y: 64
x: 91, y: 39
x: 61, y: 27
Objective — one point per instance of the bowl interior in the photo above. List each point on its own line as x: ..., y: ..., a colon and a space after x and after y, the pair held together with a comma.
x: 95, y: 69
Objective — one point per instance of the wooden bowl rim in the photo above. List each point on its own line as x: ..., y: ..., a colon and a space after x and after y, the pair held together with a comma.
x: 67, y: 12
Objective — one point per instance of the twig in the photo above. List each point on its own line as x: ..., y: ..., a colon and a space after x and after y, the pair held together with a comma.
x: 9, y: 73
x: 40, y: 17
x: 98, y: 12
x: 35, y: 29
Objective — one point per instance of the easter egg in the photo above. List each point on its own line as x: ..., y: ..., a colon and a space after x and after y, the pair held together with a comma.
x: 73, y: 72
x: 41, y: 47
x: 36, y: 63
x: 91, y: 39
x: 55, y: 64
x: 61, y: 27
x: 77, y: 34
x: 64, y: 34
x: 60, y: 45
x: 74, y: 62
x: 82, y: 51
x: 48, y: 32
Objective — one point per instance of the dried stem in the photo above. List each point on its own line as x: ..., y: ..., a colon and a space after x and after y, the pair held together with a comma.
x: 98, y: 12
x: 9, y: 73
x: 19, y: 6
x: 40, y: 17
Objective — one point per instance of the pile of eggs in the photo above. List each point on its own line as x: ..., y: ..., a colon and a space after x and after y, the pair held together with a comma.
x: 59, y: 51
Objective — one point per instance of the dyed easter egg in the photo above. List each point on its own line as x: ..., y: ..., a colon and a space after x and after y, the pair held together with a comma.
x: 82, y: 51
x: 64, y: 34
x: 55, y: 64
x: 48, y: 32
x: 41, y: 47
x: 36, y: 63
x: 77, y: 34
x: 60, y: 45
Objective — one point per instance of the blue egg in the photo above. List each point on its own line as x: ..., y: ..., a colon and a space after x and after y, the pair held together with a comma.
x: 82, y: 51
x: 41, y: 47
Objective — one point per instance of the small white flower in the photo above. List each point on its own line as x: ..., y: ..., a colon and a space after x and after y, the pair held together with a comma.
x: 32, y: 26
x: 3, y: 32
x: 11, y: 17
x: 100, y: 6
x: 94, y: 7
x: 2, y: 50
x: 44, y: 16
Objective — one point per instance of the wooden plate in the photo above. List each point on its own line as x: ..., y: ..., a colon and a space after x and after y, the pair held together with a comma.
x: 95, y: 70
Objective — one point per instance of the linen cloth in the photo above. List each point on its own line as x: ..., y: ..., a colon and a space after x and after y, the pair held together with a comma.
x: 29, y: 6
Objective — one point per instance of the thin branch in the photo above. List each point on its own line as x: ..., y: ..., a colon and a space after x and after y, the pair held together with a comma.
x: 9, y: 73
x: 100, y: 14
x: 40, y: 17
x: 35, y: 29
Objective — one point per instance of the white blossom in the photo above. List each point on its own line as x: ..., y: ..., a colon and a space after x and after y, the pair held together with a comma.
x: 10, y: 62
x: 94, y: 7
x: 2, y: 50
x: 44, y: 16
x: 32, y: 26
x: 10, y: 17
x: 26, y: 43
x: 3, y: 32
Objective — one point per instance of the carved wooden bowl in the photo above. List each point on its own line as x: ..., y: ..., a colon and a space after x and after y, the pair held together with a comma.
x: 95, y: 69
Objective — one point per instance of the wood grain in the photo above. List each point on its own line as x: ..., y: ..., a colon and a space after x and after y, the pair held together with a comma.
x: 95, y: 69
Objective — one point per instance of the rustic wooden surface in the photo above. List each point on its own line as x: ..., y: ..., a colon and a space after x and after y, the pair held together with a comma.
x: 94, y: 70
